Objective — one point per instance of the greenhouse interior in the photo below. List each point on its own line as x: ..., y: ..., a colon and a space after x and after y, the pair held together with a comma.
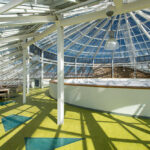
x: 75, y: 74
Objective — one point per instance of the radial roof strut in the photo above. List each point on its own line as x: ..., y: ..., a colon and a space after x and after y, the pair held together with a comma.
x: 102, y: 41
x: 130, y: 45
x: 11, y: 5
x: 124, y: 8
x: 28, y: 19
x: 140, y: 25
x: 87, y: 43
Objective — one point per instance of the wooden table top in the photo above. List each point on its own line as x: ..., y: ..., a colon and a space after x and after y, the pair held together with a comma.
x: 4, y: 90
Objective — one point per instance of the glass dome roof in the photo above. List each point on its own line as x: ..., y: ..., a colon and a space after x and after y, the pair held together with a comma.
x: 84, y: 43
x: 86, y: 30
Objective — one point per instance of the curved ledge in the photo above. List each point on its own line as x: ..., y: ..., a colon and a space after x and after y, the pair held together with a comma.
x: 132, y: 101
x: 105, y: 86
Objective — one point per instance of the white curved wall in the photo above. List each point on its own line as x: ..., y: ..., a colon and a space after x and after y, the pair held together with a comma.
x: 116, y: 100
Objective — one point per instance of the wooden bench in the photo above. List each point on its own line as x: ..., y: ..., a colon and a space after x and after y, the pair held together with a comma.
x: 3, y: 95
x: 4, y: 91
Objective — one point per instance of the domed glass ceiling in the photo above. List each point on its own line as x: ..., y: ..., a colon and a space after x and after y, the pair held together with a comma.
x: 84, y: 43
x: 23, y: 23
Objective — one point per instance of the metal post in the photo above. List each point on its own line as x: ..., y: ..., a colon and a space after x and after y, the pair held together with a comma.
x: 131, y: 46
x: 134, y: 67
x: 76, y: 67
x: 93, y: 68
x: 28, y: 70
x: 112, y: 64
x: 42, y: 69
x: 24, y: 75
x: 60, y: 74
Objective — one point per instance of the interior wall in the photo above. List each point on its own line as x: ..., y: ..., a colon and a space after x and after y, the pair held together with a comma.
x: 125, y: 101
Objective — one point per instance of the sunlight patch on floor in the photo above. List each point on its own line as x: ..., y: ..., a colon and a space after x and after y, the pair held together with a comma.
x: 98, y: 130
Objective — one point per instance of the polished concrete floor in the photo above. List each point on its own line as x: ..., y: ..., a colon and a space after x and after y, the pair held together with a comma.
x: 98, y: 131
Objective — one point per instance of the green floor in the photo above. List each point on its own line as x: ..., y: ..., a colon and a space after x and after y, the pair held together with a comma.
x: 100, y: 131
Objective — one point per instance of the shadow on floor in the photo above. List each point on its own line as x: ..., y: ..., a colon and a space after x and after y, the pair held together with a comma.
x: 99, y: 130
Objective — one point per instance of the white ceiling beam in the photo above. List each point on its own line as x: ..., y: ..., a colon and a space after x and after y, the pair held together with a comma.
x: 25, y: 20
x: 28, y: 19
x: 27, y: 8
x: 75, y: 6
x: 125, y: 8
x: 67, y: 34
x: 11, y: 54
x: 83, y: 18
x: 18, y: 24
x: 40, y: 36
x: 10, y: 5
x: 9, y: 62
x: 10, y: 46
x: 10, y: 69
x: 77, y: 28
x: 25, y: 11
x: 15, y: 38
x: 58, y: 2
x: 135, y: 5
x: 35, y: 38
